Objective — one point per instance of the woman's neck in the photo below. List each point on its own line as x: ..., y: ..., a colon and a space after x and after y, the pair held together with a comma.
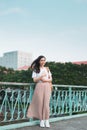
x: 41, y: 66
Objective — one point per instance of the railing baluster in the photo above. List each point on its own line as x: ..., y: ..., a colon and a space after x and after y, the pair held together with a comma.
x: 65, y: 101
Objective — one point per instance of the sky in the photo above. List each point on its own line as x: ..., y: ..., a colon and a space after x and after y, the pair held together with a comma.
x: 56, y: 29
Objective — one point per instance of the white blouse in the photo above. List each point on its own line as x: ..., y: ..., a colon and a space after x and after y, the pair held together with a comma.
x: 42, y: 70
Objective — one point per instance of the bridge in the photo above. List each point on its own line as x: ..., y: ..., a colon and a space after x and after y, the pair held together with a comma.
x: 68, y: 107
x: 79, y: 123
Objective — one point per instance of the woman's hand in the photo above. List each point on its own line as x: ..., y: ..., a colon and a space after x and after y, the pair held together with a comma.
x: 43, y: 75
x: 44, y: 79
x: 40, y: 77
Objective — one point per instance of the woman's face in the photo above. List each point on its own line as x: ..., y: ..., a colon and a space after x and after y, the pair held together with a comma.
x: 42, y: 61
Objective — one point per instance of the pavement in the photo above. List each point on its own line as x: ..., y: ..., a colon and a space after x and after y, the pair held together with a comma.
x: 70, y: 124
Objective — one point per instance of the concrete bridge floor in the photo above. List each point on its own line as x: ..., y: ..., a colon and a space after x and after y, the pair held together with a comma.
x: 70, y: 124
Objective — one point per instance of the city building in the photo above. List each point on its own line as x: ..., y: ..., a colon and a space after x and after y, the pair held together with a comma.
x: 15, y: 59
x: 80, y: 62
x: 23, y: 68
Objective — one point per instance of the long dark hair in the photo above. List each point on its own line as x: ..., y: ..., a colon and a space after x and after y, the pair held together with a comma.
x: 35, y: 66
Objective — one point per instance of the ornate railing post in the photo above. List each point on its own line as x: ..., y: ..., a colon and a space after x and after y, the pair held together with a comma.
x: 66, y: 102
x: 70, y: 101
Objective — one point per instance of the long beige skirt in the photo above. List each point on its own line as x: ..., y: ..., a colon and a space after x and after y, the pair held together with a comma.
x: 39, y: 107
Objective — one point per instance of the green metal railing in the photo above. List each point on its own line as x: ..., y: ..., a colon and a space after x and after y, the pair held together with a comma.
x: 67, y: 101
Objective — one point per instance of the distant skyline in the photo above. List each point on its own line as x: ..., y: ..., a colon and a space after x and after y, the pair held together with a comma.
x: 53, y: 28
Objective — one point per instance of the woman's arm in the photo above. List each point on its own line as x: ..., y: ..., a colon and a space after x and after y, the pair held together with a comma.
x: 49, y: 76
x: 46, y: 80
x: 36, y: 79
x: 49, y: 79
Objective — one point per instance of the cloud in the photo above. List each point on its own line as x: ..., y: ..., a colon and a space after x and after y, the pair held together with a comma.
x: 11, y: 11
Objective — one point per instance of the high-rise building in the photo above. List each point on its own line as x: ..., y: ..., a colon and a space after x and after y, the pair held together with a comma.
x: 15, y: 59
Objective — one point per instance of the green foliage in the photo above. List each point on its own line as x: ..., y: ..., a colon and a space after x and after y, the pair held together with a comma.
x: 62, y: 73
x: 68, y: 73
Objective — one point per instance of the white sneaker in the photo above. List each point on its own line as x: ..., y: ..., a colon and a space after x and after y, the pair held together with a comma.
x: 47, y: 123
x: 42, y: 123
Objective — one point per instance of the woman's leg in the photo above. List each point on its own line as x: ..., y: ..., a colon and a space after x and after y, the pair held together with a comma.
x: 36, y: 106
x: 46, y: 109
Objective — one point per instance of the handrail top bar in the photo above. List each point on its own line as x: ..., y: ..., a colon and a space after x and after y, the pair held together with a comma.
x: 70, y: 86
x: 15, y: 83
x: 55, y: 85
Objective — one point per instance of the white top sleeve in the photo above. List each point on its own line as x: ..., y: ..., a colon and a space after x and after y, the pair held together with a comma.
x: 34, y: 74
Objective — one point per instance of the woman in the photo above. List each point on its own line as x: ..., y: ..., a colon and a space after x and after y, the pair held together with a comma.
x: 39, y: 107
